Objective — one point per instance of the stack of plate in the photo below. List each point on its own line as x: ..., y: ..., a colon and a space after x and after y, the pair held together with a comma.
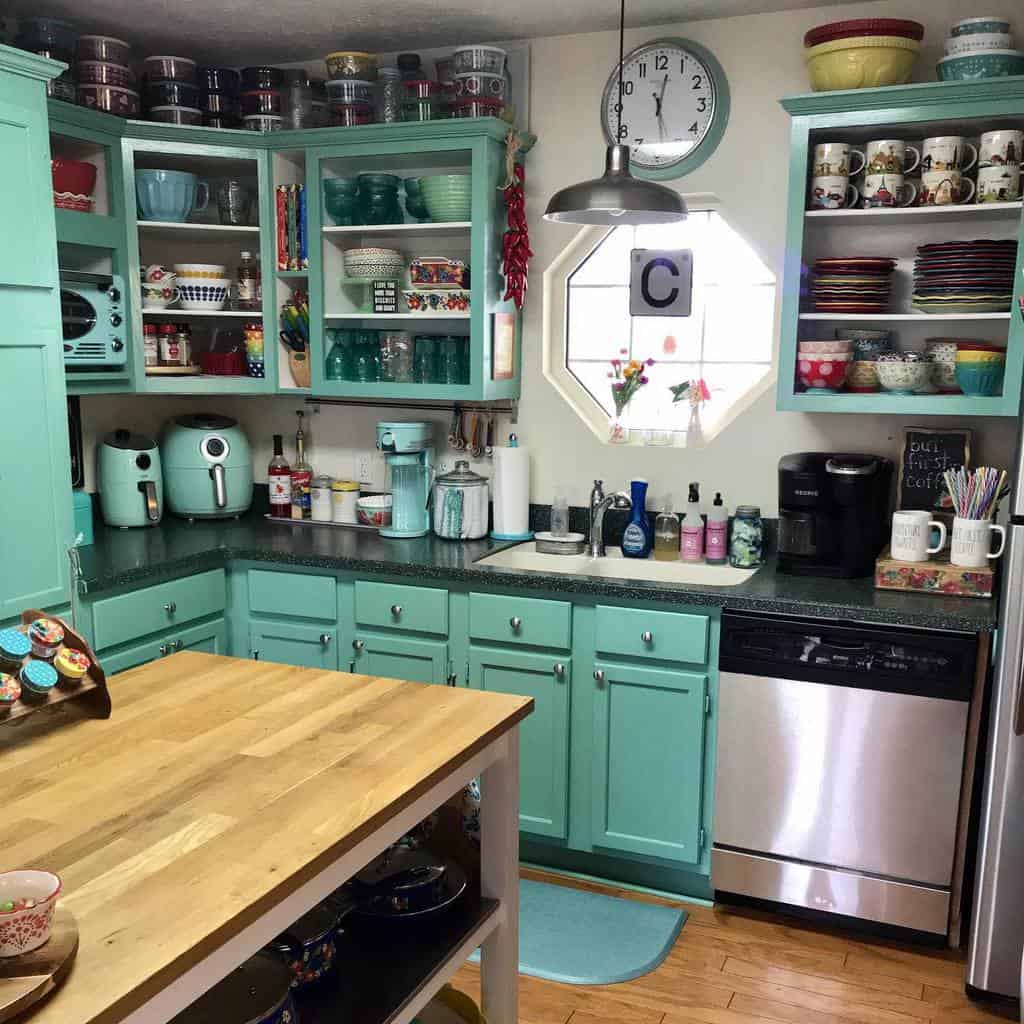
x: 852, y: 284
x: 965, y: 277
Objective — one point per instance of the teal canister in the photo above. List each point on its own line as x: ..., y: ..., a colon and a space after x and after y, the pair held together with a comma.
x: 130, y: 479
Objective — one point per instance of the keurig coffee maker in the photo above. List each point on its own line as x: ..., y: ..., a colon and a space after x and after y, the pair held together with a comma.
x: 833, y: 513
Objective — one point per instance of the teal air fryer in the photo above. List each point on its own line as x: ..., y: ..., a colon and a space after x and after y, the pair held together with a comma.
x: 129, y: 479
x: 409, y: 451
x: 207, y: 467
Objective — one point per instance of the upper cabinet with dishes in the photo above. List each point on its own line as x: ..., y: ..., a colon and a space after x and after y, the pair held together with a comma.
x: 902, y: 288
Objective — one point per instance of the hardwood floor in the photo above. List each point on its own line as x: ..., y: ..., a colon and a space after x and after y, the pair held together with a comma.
x: 734, y: 966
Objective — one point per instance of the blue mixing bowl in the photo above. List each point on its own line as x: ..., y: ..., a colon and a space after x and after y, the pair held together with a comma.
x: 169, y: 195
x: 980, y: 379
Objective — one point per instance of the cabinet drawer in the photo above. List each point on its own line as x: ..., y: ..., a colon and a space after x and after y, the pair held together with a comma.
x: 639, y: 633
x: 391, y: 606
x: 210, y: 638
x: 520, y: 620
x: 293, y: 594
x: 127, y: 616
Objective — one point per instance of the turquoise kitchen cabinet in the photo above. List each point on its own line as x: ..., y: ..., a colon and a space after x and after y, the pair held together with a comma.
x: 35, y: 475
x: 521, y: 620
x: 293, y: 595
x: 648, y: 750
x: 293, y: 644
x: 396, y: 606
x: 396, y: 657
x: 543, y: 736
x: 209, y: 638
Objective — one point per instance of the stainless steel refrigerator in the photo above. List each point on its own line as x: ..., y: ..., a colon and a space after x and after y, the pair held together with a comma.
x: 997, y: 923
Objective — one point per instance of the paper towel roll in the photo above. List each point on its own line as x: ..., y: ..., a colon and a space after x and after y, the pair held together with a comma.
x: 510, y: 490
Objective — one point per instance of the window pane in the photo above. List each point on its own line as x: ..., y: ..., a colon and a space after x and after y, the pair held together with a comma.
x: 594, y: 377
x: 728, y: 258
x: 739, y: 323
x: 599, y: 322
x: 653, y: 407
x: 609, y: 263
x: 650, y: 334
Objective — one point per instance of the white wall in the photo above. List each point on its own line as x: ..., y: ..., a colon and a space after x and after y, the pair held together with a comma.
x: 761, y: 55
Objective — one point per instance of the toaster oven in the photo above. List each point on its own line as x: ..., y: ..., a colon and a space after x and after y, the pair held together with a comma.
x: 92, y: 320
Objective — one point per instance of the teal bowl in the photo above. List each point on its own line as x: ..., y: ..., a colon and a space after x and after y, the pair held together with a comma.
x: 342, y: 209
x: 169, y: 195
x: 341, y: 186
x: 982, y: 380
x: 987, y: 64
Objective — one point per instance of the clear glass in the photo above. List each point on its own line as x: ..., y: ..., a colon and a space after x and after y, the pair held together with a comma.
x: 560, y: 517
x: 450, y: 368
x: 297, y: 103
x: 396, y: 357
x: 746, y: 545
x: 390, y: 94
x: 425, y: 361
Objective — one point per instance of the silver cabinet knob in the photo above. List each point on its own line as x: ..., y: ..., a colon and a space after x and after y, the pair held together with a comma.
x: 175, y: 645
x: 599, y: 676
x: 396, y: 610
x: 516, y: 623
x: 163, y: 650
x: 325, y: 639
x: 358, y: 645
x: 170, y: 607
x: 647, y: 636
x: 559, y: 670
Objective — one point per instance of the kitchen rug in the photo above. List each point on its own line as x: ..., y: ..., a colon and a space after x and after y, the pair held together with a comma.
x: 587, y: 938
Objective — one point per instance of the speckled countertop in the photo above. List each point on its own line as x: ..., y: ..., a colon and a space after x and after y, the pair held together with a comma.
x: 175, y: 548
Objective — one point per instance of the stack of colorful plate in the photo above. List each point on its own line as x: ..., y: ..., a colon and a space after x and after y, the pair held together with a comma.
x: 965, y: 277
x: 852, y: 284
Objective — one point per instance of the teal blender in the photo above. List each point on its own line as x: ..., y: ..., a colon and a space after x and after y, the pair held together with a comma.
x: 409, y: 448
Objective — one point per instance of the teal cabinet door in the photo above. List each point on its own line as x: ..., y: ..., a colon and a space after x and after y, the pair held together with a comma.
x: 543, y: 736
x: 648, y: 761
x: 292, y: 644
x: 392, y: 657
x: 35, y: 470
x: 210, y: 638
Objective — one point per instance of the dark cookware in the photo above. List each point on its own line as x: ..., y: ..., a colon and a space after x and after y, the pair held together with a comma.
x: 222, y: 80
x: 403, y: 884
x: 261, y: 101
x: 258, y: 992
x: 261, y: 78
x: 309, y: 947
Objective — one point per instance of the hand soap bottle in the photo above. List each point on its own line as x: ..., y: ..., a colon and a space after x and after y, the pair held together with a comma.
x: 716, y: 537
x: 637, y: 538
x: 692, y: 546
x: 666, y: 533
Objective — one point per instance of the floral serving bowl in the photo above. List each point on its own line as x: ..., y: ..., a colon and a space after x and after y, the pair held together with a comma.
x: 27, y: 902
x: 943, y: 373
x: 903, y: 376
x: 374, y: 510
x: 863, y: 376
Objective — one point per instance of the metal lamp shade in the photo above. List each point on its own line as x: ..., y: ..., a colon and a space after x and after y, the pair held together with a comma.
x: 616, y: 198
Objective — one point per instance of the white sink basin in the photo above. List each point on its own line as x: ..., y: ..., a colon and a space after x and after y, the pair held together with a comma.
x: 614, y: 566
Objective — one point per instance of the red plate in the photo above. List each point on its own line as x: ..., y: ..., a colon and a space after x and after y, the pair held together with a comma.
x: 864, y: 27
x: 862, y: 261
x: 978, y: 243
x: 979, y: 346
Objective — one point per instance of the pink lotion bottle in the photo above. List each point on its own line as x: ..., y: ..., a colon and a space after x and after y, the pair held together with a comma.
x: 691, y: 547
x: 716, y: 537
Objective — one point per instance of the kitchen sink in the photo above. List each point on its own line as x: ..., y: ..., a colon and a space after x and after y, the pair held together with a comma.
x: 614, y: 566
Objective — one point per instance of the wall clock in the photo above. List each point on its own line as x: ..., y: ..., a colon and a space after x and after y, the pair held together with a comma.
x: 675, y: 105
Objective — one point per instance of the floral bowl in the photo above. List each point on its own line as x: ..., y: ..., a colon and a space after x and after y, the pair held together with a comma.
x: 987, y: 64
x: 901, y: 376
x: 863, y: 376
x: 27, y: 902
x: 943, y: 373
x: 827, y: 373
x: 374, y: 510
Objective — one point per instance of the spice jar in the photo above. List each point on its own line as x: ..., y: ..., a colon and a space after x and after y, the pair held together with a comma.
x: 321, y: 500
x: 150, y: 345
x: 746, y: 546
x: 345, y: 494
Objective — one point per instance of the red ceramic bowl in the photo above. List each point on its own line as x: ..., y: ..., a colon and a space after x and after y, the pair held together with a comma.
x: 827, y: 374
x: 73, y: 182
x: 864, y: 27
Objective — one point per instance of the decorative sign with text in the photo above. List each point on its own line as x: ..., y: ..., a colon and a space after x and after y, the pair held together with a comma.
x: 660, y: 282
x: 926, y: 455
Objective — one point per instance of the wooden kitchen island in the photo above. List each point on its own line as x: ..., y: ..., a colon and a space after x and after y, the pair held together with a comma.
x: 225, y: 798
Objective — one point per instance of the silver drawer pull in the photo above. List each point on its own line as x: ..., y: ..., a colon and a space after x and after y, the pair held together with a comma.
x: 396, y: 610
x: 358, y: 645
x: 559, y: 671
x: 163, y: 650
x: 647, y: 636
x: 325, y: 639
x: 599, y: 676
x: 516, y: 623
x: 170, y: 607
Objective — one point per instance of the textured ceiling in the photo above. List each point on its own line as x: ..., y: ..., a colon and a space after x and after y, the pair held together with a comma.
x: 236, y: 32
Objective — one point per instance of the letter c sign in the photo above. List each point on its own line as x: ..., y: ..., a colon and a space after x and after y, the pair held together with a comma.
x: 660, y: 282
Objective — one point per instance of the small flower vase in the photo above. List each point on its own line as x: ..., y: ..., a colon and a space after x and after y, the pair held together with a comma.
x: 618, y: 431
x: 694, y: 430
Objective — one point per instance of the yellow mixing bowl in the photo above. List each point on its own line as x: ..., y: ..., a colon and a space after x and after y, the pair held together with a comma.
x: 861, y: 62
x: 976, y: 356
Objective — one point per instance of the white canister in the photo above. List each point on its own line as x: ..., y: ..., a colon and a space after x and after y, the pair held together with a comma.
x: 344, y: 494
x: 460, y: 504
x: 320, y: 499
x: 910, y: 535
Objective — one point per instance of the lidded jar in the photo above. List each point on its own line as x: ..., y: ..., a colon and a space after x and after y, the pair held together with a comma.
x: 461, y: 504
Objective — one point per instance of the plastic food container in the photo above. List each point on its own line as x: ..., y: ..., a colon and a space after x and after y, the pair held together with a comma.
x: 262, y: 78
x: 261, y: 101
x: 219, y: 103
x: 421, y: 110
x: 71, y: 666
x: 181, y: 94
x: 172, y: 69
x: 10, y: 691
x: 105, y: 48
x: 352, y: 64
x: 37, y: 679
x: 110, y: 98
x: 480, y: 84
x: 420, y: 88
x: 173, y: 114
x: 224, y: 121
x: 263, y: 123
x: 349, y: 114
x: 222, y: 80
x: 477, y: 107
x: 350, y: 90
x: 100, y: 72
x: 479, y: 58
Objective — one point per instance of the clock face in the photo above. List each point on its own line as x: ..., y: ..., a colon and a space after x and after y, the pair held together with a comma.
x: 670, y: 99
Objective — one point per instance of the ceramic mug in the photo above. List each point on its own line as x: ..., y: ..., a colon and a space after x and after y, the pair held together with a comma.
x: 833, y: 192
x: 889, y: 156
x: 946, y: 153
x: 910, y: 533
x: 887, y: 190
x: 159, y: 295
x: 836, y: 158
x: 998, y: 184
x: 1002, y: 147
x: 971, y: 546
x: 945, y: 188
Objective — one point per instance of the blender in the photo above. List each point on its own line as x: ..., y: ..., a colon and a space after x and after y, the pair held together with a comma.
x: 409, y: 449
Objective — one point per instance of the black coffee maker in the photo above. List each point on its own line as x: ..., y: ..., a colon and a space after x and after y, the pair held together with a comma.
x: 833, y: 513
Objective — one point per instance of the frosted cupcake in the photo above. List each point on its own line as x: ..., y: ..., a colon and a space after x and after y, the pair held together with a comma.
x: 71, y: 666
x: 37, y: 679
x: 46, y: 636
x: 14, y: 646
x: 10, y: 691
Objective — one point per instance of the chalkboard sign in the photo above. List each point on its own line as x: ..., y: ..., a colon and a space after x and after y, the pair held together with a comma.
x: 926, y: 455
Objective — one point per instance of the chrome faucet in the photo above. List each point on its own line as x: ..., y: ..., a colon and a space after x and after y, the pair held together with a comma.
x: 599, y: 504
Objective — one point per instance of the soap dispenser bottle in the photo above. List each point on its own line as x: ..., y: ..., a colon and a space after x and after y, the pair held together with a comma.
x: 716, y: 537
x: 666, y: 533
x: 638, y: 537
x: 692, y: 546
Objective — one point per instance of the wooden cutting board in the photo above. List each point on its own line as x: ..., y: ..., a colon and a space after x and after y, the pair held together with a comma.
x: 26, y: 979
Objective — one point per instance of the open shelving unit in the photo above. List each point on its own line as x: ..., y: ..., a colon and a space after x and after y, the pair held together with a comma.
x: 909, y: 112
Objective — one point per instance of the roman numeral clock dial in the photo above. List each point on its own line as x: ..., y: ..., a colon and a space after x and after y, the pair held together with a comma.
x: 675, y: 103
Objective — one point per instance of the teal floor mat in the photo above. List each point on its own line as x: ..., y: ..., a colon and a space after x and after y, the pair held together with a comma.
x: 587, y: 938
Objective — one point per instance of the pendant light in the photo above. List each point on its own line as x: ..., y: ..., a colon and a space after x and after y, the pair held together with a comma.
x: 616, y: 197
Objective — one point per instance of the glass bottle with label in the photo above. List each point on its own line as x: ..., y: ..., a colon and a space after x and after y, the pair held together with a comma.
x: 279, y: 480
x: 250, y: 290
x: 302, y: 476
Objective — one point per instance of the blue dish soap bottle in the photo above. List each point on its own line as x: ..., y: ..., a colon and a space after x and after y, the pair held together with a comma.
x: 638, y: 537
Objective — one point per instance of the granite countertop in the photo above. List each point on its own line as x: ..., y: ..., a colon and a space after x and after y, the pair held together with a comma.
x: 175, y: 547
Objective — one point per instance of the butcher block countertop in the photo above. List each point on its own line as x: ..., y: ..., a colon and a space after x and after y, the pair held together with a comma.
x: 217, y: 789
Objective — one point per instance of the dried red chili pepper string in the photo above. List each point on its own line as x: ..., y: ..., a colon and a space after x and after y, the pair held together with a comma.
x: 515, y: 245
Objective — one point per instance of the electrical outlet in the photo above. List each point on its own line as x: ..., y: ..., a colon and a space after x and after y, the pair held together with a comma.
x: 371, y: 470
x: 364, y: 468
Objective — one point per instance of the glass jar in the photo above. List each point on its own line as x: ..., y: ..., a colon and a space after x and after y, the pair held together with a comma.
x: 338, y: 365
x: 746, y: 545
x: 297, y: 100
x: 366, y: 360
x: 425, y: 361
x: 449, y: 369
x: 321, y: 500
x: 396, y: 357
x: 389, y: 95
x: 150, y: 345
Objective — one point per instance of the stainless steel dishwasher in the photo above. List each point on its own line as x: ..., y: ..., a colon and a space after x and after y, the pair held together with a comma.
x: 839, y: 760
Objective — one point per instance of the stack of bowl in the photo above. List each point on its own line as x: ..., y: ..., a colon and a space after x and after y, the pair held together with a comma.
x: 202, y: 287
x: 375, y: 264
x: 980, y: 48
x: 980, y: 368
x: 824, y: 365
x: 868, y: 345
x: 105, y: 78
x: 172, y: 92
x: 479, y: 81
x: 262, y: 102
x: 352, y: 77
x: 447, y: 197
x: 218, y: 97
x: 941, y: 353
x: 341, y: 200
x: 53, y: 38
x: 862, y: 53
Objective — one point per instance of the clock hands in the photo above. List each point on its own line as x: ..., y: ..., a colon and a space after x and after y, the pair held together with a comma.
x: 659, y: 98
